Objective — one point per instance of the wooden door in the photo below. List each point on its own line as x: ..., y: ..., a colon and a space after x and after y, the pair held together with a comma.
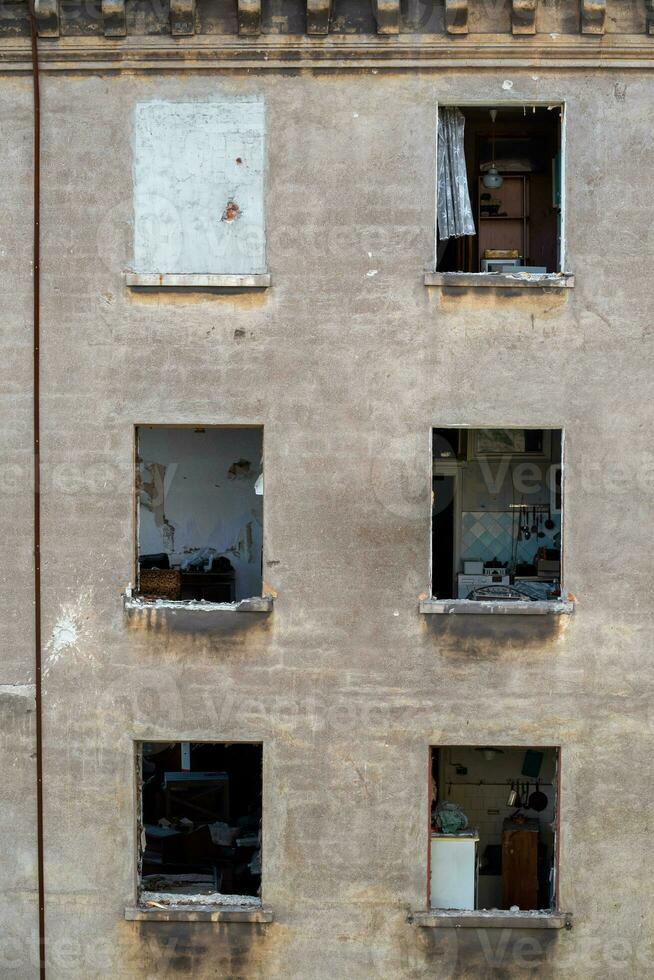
x: 520, y: 869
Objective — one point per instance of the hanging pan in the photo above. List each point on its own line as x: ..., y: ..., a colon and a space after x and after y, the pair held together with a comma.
x: 537, y: 801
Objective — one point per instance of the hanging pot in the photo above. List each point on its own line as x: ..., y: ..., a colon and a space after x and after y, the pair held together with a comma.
x: 538, y: 801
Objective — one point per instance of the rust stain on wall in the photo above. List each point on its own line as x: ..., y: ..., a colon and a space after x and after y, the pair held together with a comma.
x: 489, y: 638
x: 245, y: 299
x: 232, y: 211
x: 541, y: 303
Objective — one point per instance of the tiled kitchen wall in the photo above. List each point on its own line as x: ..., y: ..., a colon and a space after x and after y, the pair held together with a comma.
x: 490, y: 534
x: 476, y: 801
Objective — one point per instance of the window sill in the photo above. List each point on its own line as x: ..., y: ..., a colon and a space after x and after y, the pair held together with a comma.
x: 494, y: 919
x: 156, y: 280
x: 475, y: 607
x: 198, y: 913
x: 502, y: 280
x: 257, y: 604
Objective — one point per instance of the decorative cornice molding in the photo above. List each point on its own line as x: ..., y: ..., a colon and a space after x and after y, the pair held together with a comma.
x: 182, y: 17
x: 456, y: 16
x: 249, y: 17
x: 113, y: 18
x: 318, y: 14
x: 523, y: 16
x: 593, y: 16
x: 204, y: 51
x: 387, y: 15
x: 47, y: 17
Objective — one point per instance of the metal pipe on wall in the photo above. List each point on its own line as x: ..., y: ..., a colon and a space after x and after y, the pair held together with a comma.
x: 36, y: 432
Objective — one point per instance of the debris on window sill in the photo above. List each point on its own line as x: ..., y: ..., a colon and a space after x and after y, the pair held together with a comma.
x: 261, y: 280
x: 256, y: 604
x: 214, y: 907
x: 512, y: 280
x: 497, y: 607
x: 491, y: 919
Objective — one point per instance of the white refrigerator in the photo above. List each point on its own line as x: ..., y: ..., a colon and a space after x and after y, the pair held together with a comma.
x: 453, y: 872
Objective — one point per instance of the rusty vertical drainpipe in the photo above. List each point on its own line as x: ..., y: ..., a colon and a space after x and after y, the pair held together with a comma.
x: 36, y: 311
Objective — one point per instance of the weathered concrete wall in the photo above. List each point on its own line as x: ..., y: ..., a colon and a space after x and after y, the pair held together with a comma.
x: 18, y: 905
x: 347, y: 361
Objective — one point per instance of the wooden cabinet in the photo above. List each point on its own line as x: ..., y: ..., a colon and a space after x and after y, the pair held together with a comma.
x: 503, y: 216
x: 520, y: 864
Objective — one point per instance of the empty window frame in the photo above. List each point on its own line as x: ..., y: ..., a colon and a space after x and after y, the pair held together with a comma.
x: 200, y: 815
x: 199, y: 187
x: 497, y: 514
x: 500, y: 189
x: 199, y: 495
x: 493, y: 832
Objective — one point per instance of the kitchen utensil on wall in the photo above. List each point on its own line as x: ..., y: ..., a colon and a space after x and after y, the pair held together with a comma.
x: 541, y: 533
x: 549, y: 523
x: 534, y: 526
x: 538, y: 801
x: 513, y: 796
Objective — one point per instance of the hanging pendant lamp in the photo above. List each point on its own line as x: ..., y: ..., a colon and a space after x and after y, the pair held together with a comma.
x: 492, y: 179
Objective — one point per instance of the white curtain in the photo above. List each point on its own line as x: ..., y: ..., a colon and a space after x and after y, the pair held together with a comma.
x: 454, y: 212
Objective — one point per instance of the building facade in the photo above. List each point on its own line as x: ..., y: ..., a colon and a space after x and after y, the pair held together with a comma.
x: 262, y: 371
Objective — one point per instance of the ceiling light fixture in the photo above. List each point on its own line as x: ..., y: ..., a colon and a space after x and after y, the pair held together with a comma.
x: 492, y: 179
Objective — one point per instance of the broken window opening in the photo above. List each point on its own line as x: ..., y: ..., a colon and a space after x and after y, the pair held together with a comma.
x: 200, y: 822
x: 493, y: 828
x: 511, y: 157
x: 497, y: 514
x: 200, y: 513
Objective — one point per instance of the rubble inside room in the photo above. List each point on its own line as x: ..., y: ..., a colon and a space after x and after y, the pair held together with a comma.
x: 201, y: 820
x: 200, y: 513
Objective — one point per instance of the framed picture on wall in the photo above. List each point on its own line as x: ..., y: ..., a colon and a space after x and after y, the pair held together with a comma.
x: 511, y: 442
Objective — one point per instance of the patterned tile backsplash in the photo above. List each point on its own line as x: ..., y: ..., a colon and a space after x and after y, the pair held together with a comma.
x: 487, y: 535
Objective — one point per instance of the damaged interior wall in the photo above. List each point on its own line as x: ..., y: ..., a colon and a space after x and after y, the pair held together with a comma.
x: 197, y: 498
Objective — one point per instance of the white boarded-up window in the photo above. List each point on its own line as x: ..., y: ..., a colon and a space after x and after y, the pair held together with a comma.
x: 198, y: 187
